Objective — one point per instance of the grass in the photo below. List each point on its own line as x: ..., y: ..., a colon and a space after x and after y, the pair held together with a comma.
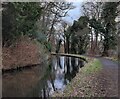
x: 81, y: 85
x: 91, y: 67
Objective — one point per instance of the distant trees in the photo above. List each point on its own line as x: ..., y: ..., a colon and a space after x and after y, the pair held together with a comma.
x: 79, y: 37
x: 76, y: 36
x: 102, y: 23
x: 109, y: 14
x: 66, y: 36
x: 92, y: 10
x: 53, y: 13
x: 41, y: 20
x: 38, y: 20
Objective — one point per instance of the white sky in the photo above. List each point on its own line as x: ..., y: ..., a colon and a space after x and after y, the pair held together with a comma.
x: 75, y: 13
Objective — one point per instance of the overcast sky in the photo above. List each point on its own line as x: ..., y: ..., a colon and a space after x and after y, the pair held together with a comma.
x: 75, y: 13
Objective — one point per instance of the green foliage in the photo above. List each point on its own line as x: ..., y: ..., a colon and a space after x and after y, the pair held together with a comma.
x: 8, y: 22
x: 26, y: 16
x: 92, y: 67
x: 82, y: 22
x: 106, y: 25
x: 109, y: 14
x: 80, y: 37
x: 48, y: 46
x: 19, y: 18
x: 40, y: 37
x: 96, y: 25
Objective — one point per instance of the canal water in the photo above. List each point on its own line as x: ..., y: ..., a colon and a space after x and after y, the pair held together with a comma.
x: 43, y: 80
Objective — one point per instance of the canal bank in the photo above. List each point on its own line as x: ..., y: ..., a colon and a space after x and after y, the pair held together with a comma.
x: 23, y: 53
x: 82, y: 84
x: 98, y: 78
x: 54, y: 76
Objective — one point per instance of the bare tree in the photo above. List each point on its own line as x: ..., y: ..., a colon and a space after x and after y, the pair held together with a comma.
x: 52, y: 15
x: 93, y: 11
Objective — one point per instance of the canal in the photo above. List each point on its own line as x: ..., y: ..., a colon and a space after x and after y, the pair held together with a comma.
x: 42, y: 80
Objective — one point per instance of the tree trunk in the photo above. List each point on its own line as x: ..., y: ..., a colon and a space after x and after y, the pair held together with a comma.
x: 64, y: 41
x: 96, y: 43
x: 106, y: 47
x: 52, y: 27
x: 106, y: 42
x: 67, y: 45
x: 91, y: 46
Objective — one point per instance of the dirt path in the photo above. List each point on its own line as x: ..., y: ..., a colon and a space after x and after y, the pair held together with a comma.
x: 107, y: 79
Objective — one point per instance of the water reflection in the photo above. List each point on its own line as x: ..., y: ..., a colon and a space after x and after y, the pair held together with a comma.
x: 41, y: 81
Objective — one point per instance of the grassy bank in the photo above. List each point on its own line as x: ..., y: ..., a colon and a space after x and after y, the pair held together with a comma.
x: 92, y: 67
x: 81, y: 85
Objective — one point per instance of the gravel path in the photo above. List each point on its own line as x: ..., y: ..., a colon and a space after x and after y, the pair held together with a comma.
x: 107, y: 79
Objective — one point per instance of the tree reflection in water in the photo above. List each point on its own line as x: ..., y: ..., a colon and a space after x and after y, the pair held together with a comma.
x: 59, y: 72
